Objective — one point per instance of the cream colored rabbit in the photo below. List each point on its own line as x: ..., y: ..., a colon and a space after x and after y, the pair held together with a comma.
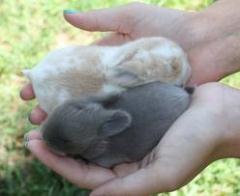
x: 77, y: 71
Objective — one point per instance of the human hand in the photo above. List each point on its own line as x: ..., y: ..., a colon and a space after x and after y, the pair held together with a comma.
x: 209, y: 38
x: 37, y: 116
x: 207, y: 131
x: 124, y: 24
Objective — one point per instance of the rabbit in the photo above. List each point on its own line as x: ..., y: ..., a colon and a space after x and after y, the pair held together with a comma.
x: 76, y: 71
x: 121, y: 128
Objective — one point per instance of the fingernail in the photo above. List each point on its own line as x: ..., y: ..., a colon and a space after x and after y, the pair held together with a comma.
x: 26, y: 138
x: 26, y: 144
x: 71, y: 11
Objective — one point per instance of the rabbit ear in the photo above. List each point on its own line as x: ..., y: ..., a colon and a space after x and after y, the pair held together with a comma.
x: 125, y: 78
x: 128, y: 71
x: 118, y: 122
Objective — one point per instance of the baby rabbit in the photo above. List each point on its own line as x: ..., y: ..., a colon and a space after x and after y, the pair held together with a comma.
x: 117, y: 129
x: 77, y: 71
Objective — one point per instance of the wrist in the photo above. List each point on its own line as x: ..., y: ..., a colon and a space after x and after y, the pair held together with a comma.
x: 220, y: 108
x: 212, y: 23
x: 215, y: 60
x: 229, y: 142
x: 213, y: 52
x: 226, y: 57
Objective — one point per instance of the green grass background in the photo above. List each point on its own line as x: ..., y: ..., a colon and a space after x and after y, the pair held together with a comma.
x: 28, y: 30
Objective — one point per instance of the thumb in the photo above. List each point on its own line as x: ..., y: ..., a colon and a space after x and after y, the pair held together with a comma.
x: 113, y: 19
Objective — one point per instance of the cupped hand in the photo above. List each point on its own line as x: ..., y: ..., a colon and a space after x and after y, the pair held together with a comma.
x: 132, y: 21
x: 207, y: 131
x: 127, y: 23
x: 204, y: 35
x: 204, y: 41
x: 37, y: 116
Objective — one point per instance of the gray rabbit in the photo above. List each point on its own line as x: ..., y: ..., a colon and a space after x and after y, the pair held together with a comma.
x: 116, y: 129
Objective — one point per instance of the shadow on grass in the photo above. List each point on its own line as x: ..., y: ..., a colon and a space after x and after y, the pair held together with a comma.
x: 32, y: 178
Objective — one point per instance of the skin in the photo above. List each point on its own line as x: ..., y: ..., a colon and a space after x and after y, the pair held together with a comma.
x: 207, y: 131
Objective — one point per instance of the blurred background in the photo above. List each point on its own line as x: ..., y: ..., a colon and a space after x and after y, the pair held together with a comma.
x: 28, y: 30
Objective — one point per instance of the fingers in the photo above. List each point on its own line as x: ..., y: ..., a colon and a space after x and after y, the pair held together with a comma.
x: 37, y: 116
x: 142, y: 182
x: 184, y: 151
x: 33, y: 135
x: 79, y: 173
x: 111, y: 19
x: 27, y: 92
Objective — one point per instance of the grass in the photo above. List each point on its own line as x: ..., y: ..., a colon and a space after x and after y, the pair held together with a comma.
x: 29, y: 29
